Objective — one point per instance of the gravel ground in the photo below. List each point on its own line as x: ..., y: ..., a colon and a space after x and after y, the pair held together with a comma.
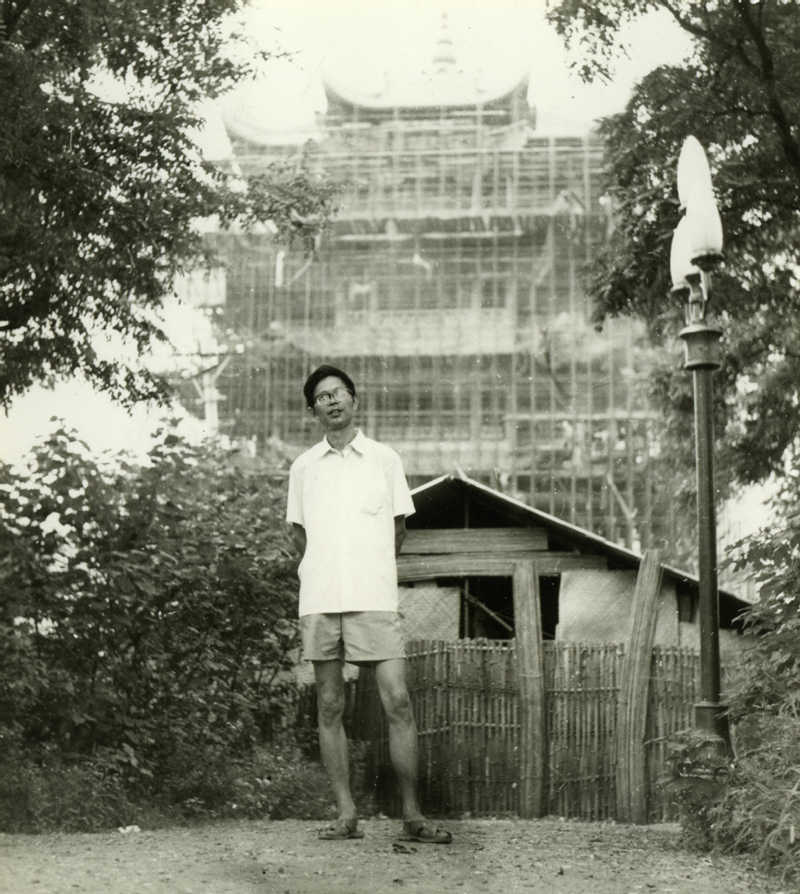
x: 285, y: 857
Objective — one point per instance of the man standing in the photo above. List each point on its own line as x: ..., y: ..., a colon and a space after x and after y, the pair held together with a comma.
x: 348, y: 502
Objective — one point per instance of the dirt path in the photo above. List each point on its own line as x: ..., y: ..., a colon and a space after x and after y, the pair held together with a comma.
x: 505, y: 856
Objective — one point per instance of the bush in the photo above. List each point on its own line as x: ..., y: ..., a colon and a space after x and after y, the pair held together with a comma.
x: 281, y: 784
x: 275, y: 782
x: 58, y: 796
x: 758, y: 810
x: 698, y: 771
x: 150, y: 632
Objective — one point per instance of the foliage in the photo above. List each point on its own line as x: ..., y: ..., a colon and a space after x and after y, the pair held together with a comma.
x: 149, y: 620
x: 99, y: 198
x: 698, y: 773
x: 770, y: 678
x: 284, y: 783
x: 54, y: 795
x: 737, y: 94
x: 753, y: 809
x: 758, y: 809
x: 276, y: 781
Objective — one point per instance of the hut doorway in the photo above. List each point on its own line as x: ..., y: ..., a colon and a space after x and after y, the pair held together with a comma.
x: 487, y: 607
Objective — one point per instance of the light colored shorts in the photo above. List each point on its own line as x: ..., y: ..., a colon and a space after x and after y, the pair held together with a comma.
x: 355, y: 637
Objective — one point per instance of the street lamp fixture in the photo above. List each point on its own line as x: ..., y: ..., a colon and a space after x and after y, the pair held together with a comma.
x: 696, y: 250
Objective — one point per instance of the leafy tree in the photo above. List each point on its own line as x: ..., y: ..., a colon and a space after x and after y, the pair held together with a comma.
x: 98, y: 198
x: 737, y: 94
x: 150, y: 618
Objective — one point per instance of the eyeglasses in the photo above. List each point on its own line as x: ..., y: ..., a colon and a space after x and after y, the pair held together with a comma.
x: 324, y: 398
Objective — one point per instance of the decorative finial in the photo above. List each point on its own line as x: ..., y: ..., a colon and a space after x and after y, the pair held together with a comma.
x: 444, y: 58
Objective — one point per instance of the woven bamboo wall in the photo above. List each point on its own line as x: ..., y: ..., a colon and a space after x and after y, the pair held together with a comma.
x: 465, y: 697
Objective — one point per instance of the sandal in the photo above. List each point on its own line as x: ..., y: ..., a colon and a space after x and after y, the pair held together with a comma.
x: 419, y: 830
x: 340, y: 830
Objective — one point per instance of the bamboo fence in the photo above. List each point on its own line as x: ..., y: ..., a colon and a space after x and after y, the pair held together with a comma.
x: 581, y: 686
x: 466, y: 702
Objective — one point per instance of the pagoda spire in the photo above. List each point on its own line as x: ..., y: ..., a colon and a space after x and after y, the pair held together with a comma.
x: 444, y: 59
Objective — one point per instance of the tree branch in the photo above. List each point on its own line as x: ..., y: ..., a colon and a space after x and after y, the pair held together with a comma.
x: 767, y: 70
x: 685, y: 23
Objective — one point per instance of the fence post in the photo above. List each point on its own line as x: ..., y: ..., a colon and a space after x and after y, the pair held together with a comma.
x: 530, y: 673
x: 634, y: 692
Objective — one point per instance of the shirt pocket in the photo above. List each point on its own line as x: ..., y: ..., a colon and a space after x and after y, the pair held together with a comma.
x: 374, y: 497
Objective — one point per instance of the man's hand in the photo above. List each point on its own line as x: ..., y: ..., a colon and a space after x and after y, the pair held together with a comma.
x: 299, y: 538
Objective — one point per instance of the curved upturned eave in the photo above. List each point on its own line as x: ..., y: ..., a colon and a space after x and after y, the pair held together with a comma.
x: 336, y: 96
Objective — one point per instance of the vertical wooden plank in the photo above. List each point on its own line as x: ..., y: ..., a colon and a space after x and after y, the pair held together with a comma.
x: 594, y: 717
x: 421, y: 712
x: 528, y: 627
x: 458, y: 718
x: 585, y: 757
x: 571, y: 744
x: 554, y: 730
x: 440, y: 719
x: 633, y: 696
x: 446, y: 722
x: 594, y: 725
x: 510, y: 734
x: 487, y: 696
x: 513, y: 733
x: 498, y: 764
x: 482, y: 731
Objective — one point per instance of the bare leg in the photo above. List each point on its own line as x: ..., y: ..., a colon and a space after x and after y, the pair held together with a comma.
x: 391, y: 678
x: 332, y: 739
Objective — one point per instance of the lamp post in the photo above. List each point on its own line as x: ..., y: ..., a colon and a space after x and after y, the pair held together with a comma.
x: 696, y: 250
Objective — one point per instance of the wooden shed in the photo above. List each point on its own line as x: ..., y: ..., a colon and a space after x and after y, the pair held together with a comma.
x: 456, y: 581
x: 547, y: 666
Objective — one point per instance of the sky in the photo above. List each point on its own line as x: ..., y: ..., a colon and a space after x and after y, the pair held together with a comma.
x: 357, y: 42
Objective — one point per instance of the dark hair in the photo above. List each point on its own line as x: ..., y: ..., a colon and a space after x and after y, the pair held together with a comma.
x: 320, y: 373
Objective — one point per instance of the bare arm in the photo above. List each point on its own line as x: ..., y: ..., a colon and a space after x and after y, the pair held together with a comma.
x: 399, y: 533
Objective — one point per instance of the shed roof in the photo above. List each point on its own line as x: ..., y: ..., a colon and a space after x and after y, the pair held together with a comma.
x: 430, y: 495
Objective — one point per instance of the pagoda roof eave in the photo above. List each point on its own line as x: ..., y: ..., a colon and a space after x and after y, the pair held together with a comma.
x: 426, y: 99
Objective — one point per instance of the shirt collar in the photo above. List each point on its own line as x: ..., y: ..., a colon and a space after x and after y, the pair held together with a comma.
x: 359, y: 445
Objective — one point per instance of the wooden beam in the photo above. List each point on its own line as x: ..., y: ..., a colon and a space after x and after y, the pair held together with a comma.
x: 472, y: 600
x: 634, y: 693
x: 474, y: 540
x: 412, y: 568
x: 530, y: 671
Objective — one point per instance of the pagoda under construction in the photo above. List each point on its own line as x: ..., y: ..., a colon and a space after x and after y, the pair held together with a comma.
x: 449, y: 286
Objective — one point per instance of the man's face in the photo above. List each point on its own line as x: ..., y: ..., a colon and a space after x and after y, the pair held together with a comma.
x: 334, y: 406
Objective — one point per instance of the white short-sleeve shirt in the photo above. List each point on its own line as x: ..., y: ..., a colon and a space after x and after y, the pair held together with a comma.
x: 347, y: 501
